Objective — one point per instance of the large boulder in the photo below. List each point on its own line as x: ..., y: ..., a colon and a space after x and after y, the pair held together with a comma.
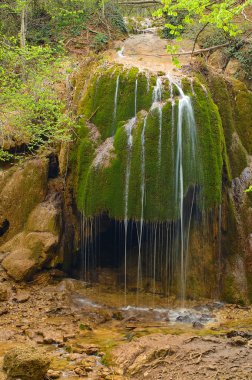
x: 36, y: 245
x: 28, y: 252
x: 26, y: 363
x: 21, y: 189
x: 45, y: 218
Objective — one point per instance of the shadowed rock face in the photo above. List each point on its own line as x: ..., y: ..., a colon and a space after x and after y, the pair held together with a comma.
x: 30, y: 240
x: 21, y: 189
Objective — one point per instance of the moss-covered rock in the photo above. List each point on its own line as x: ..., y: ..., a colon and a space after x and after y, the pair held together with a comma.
x: 102, y: 189
x: 234, y: 102
x: 102, y: 166
x: 106, y: 110
x: 241, y: 99
x: 26, y: 363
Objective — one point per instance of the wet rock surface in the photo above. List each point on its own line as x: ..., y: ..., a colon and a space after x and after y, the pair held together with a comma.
x: 160, y: 356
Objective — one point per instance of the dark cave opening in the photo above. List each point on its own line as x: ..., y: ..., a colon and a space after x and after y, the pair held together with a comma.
x: 4, y: 226
x: 152, y: 252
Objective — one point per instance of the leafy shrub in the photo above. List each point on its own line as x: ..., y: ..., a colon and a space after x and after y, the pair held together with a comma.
x: 242, y: 51
x: 114, y: 15
x: 170, y: 22
x: 31, y: 112
x: 100, y: 41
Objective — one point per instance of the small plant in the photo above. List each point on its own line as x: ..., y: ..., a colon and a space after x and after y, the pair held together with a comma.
x: 100, y: 41
x: 249, y: 189
x: 85, y: 327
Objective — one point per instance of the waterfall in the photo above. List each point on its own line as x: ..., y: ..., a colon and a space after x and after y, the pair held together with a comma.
x: 128, y: 128
x: 115, y: 104
x: 136, y: 88
x: 120, y: 53
x: 173, y: 116
x: 160, y: 247
x: 156, y: 103
x: 140, y: 233
x: 157, y: 91
x: 185, y: 121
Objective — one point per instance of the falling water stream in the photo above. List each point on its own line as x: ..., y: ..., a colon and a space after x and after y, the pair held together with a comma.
x: 185, y: 120
x: 140, y: 233
x: 163, y: 247
x: 156, y: 103
x: 129, y: 128
x: 115, y: 103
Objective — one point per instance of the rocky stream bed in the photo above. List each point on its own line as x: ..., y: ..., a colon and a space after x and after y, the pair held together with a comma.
x: 65, y: 323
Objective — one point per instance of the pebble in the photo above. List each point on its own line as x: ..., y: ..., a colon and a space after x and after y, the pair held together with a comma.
x: 53, y: 374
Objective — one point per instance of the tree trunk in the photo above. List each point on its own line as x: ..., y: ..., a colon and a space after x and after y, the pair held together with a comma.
x: 103, y: 8
x: 23, y: 28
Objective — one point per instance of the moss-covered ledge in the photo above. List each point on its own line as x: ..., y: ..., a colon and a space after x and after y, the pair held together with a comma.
x: 102, y: 188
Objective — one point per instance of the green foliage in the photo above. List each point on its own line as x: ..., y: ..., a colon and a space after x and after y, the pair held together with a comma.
x: 171, y: 22
x: 242, y: 51
x: 221, y: 14
x: 249, y: 189
x: 50, y: 22
x: 31, y: 112
x: 100, y: 41
x: 113, y: 14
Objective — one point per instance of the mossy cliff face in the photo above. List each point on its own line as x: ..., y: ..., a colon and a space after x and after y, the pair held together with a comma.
x: 115, y: 101
x: 234, y: 102
x: 111, y: 99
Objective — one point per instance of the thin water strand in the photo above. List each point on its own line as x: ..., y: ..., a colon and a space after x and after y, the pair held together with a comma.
x: 140, y: 235
x: 115, y: 103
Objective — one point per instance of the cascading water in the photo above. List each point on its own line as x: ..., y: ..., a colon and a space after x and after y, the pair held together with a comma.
x: 162, y: 246
x: 115, y: 103
x: 156, y: 102
x: 128, y: 128
x: 140, y: 233
x: 185, y: 121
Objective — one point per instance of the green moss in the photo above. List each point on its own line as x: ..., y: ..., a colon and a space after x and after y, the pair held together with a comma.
x: 98, y: 104
x: 230, y: 291
x: 83, y: 161
x: 234, y: 102
x: 237, y: 156
x: 102, y: 188
x: 211, y: 145
x: 242, y: 103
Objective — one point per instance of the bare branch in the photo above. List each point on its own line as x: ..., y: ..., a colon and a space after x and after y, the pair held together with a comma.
x: 245, y: 16
x: 199, y: 51
x: 195, y: 52
x: 197, y: 36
